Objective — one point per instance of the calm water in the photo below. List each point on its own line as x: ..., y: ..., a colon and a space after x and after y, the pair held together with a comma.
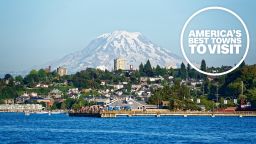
x: 18, y: 128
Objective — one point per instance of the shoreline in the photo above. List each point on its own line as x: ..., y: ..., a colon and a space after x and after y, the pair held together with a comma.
x: 113, y: 114
x: 35, y: 112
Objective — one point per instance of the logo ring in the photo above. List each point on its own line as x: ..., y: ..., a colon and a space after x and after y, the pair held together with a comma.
x: 228, y: 11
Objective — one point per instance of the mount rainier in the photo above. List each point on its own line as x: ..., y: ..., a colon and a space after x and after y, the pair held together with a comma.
x: 131, y: 46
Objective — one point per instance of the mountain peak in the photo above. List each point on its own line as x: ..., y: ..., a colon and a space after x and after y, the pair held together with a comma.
x: 118, y: 34
x: 132, y: 46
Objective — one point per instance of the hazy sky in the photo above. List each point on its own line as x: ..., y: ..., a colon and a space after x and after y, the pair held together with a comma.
x: 34, y: 32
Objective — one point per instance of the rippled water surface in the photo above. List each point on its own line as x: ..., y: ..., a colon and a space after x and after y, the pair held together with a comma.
x: 18, y: 128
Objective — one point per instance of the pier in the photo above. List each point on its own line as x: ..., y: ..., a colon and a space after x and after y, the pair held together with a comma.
x: 161, y: 113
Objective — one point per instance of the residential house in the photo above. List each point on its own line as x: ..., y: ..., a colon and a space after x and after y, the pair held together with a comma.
x: 9, y: 101
x: 55, y: 93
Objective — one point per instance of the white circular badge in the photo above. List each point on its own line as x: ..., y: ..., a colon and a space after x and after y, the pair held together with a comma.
x: 221, y: 9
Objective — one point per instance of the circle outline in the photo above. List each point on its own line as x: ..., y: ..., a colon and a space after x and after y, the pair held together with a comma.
x: 228, y: 11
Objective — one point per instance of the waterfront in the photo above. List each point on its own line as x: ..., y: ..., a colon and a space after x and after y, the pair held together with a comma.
x: 18, y: 128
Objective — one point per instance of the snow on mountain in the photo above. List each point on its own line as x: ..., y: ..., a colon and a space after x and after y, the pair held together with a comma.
x: 131, y: 46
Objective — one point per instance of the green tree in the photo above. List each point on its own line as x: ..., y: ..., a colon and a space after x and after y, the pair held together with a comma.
x: 69, y: 102
x: 148, y: 69
x: 242, y: 64
x: 19, y: 79
x: 141, y: 69
x: 203, y: 65
x: 158, y: 71
x: 42, y: 75
x: 8, y: 92
x: 189, y: 72
x: 252, y: 97
x: 183, y: 71
x: 8, y: 77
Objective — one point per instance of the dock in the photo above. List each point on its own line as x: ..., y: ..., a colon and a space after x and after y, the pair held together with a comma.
x: 161, y: 113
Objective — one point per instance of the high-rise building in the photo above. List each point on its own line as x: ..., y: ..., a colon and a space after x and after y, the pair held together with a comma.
x: 62, y: 71
x: 131, y: 67
x: 48, y: 69
x: 119, y: 64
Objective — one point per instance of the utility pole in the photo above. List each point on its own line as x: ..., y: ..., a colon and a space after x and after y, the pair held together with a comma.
x: 203, y: 88
x: 217, y: 95
x: 242, y: 87
x: 242, y: 92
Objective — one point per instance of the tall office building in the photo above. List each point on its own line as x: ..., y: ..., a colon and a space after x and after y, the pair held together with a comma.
x: 119, y: 64
x: 62, y: 71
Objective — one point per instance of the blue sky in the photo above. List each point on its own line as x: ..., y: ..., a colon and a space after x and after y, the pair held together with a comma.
x: 36, y: 32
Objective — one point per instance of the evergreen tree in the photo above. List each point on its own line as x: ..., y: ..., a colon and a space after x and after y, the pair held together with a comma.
x: 188, y: 71
x: 141, y: 69
x: 242, y: 64
x: 188, y: 67
x: 8, y: 77
x: 203, y: 68
x: 158, y: 70
x: 203, y: 65
x: 183, y: 71
x: 148, y: 69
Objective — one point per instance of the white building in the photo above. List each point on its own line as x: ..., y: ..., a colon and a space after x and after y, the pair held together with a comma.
x: 21, y: 107
x: 119, y: 64
x: 62, y: 71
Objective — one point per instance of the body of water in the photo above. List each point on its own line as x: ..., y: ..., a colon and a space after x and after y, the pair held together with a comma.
x: 18, y: 128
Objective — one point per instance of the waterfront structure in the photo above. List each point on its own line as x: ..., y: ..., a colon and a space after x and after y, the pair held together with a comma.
x: 62, y: 71
x: 102, y: 101
x: 119, y: 64
x: 126, y: 103
x: 20, y: 107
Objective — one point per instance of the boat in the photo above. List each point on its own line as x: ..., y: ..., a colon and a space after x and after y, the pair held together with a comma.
x: 57, y: 112
x: 27, y: 113
x: 42, y: 112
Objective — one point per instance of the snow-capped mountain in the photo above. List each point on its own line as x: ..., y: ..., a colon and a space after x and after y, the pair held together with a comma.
x: 131, y: 46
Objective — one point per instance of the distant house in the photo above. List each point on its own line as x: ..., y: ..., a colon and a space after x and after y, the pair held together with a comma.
x: 118, y: 86
x: 136, y: 87
x: 126, y: 102
x: 86, y: 90
x: 9, y: 101
x: 55, y: 93
x: 124, y: 83
x: 194, y: 83
x: 102, y: 101
x: 73, y: 91
x: 156, y: 79
x: 165, y: 104
x: 144, y: 79
x: 151, y: 79
x: 42, y: 85
x: 103, y: 83
x: 202, y: 107
x: 33, y: 94
x: 48, y: 101
x: 119, y: 93
x: 22, y: 99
